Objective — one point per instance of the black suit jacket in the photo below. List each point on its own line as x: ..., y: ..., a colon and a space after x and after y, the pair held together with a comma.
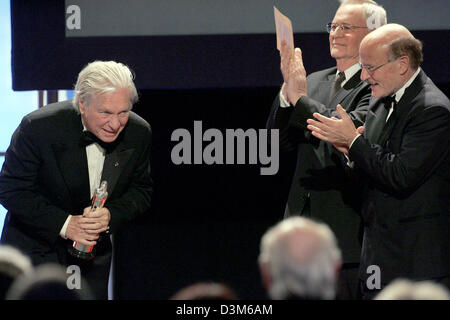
x: 319, y: 182
x: 407, y: 186
x: 45, y: 178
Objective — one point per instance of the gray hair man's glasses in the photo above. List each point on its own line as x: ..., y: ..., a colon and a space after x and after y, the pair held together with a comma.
x: 343, y: 26
x: 371, y: 70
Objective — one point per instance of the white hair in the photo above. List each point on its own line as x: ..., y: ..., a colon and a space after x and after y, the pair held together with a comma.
x: 302, y: 257
x: 402, y: 289
x: 46, y: 282
x: 13, y: 262
x: 371, y: 9
x: 102, y: 77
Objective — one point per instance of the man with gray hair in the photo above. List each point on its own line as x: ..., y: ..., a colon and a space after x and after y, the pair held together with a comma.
x: 318, y: 188
x: 300, y: 259
x: 57, y: 158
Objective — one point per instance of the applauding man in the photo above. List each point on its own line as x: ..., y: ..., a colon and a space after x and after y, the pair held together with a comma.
x: 319, y: 188
x: 402, y: 156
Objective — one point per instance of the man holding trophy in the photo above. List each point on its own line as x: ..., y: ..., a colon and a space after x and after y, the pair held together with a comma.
x: 60, y: 155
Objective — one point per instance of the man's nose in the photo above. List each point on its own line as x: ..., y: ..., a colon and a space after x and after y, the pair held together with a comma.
x: 114, y: 122
x: 364, y: 74
x: 337, y: 32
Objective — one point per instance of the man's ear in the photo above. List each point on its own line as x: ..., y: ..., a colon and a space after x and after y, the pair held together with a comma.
x: 265, y: 275
x: 404, y: 64
x: 82, y: 106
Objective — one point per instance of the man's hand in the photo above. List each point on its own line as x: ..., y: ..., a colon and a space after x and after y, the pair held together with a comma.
x: 285, y: 56
x: 296, y: 85
x: 294, y: 73
x: 339, y: 132
x: 76, y: 231
x: 86, y: 228
x: 98, y: 220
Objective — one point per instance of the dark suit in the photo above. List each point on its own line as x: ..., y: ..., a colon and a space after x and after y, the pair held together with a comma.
x: 319, y: 189
x: 45, y: 178
x: 407, y: 186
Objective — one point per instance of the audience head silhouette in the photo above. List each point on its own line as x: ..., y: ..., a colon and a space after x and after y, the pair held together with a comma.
x: 13, y: 263
x: 206, y: 291
x: 47, y: 282
x: 299, y: 259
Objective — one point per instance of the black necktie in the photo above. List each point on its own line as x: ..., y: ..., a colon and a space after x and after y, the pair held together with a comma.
x: 88, y: 138
x: 336, y: 85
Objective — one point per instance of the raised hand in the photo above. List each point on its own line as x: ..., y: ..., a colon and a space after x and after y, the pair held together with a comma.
x: 296, y: 85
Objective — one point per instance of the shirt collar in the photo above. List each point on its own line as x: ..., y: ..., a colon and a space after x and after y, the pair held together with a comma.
x: 349, y: 72
x: 99, y: 147
x: 401, y: 91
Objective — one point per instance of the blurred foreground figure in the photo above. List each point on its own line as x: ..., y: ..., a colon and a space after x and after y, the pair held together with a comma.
x: 12, y: 265
x: 206, y: 291
x: 299, y: 259
x: 47, y: 282
x: 403, y: 289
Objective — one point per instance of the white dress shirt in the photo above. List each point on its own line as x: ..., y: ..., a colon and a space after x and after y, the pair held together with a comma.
x: 95, y: 159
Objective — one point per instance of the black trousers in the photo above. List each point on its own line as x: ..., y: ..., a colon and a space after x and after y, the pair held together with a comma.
x: 95, y: 272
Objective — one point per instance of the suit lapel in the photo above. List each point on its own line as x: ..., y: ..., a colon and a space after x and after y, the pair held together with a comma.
x: 324, y: 88
x: 322, y: 93
x: 370, y: 125
x: 72, y: 164
x: 404, y: 105
x: 114, y: 164
x: 376, y: 120
x: 402, y: 108
x: 323, y: 150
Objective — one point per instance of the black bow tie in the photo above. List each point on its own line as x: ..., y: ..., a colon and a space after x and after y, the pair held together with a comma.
x: 88, y: 138
x: 388, y: 102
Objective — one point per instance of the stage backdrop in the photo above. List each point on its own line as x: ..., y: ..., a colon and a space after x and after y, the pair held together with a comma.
x: 192, y: 44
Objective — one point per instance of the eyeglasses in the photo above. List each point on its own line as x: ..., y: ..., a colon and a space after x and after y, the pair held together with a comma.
x: 343, y: 26
x: 371, y: 70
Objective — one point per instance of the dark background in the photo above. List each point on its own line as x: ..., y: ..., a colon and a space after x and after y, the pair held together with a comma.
x: 206, y: 221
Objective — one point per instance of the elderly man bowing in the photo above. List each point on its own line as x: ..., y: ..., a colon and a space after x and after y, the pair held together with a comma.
x: 403, y: 160
x: 57, y: 158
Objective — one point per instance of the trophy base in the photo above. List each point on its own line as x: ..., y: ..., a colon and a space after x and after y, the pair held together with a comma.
x: 81, y: 254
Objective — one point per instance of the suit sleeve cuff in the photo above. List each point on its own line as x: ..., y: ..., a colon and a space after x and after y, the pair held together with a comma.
x: 283, y: 102
x: 62, y: 233
x: 349, y: 162
x: 353, y: 141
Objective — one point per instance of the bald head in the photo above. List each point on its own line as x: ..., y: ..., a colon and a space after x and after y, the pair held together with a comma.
x: 390, y: 55
x: 384, y: 35
x: 396, y: 41
x: 302, y: 244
